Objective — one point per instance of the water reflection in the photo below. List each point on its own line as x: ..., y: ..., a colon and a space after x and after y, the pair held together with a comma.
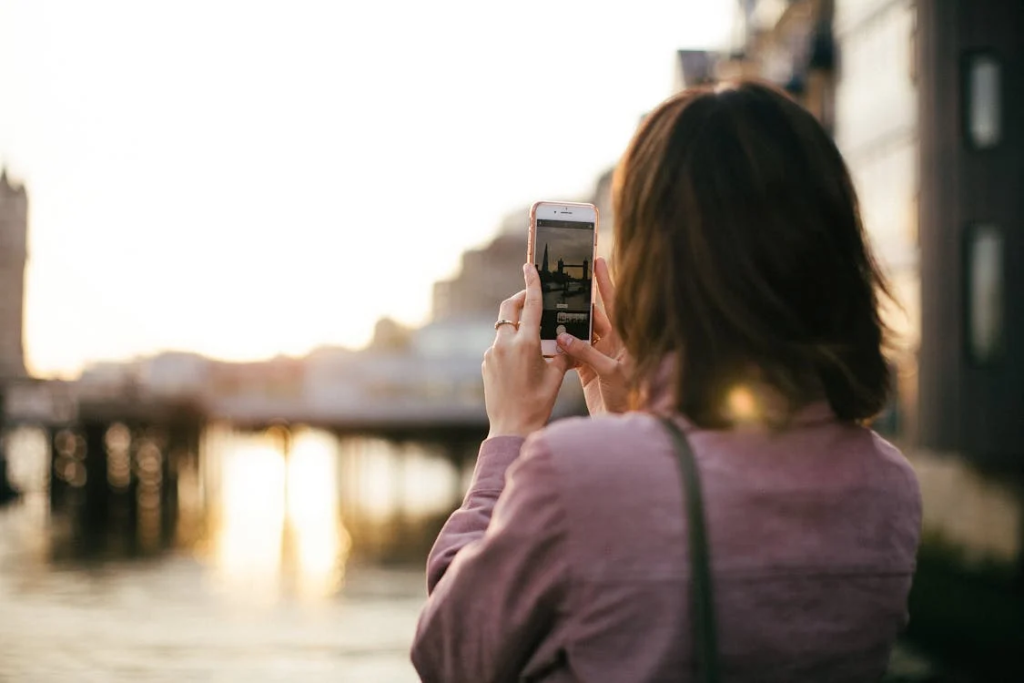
x: 312, y: 515
x: 274, y: 519
x: 238, y: 569
x: 271, y: 513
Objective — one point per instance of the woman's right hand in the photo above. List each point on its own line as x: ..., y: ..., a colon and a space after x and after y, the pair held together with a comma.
x: 603, y: 366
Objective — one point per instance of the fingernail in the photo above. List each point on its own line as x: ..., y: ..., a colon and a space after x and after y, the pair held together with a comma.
x: 565, y: 340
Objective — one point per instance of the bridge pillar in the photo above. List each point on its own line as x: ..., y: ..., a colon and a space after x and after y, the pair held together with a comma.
x: 456, y: 452
x: 400, y: 514
x: 97, y: 490
x: 7, y: 491
x: 181, y: 451
x: 55, y: 488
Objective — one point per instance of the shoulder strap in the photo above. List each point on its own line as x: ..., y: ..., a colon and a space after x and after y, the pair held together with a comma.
x: 701, y: 594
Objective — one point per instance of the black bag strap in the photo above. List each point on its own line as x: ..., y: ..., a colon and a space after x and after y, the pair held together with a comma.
x: 701, y: 595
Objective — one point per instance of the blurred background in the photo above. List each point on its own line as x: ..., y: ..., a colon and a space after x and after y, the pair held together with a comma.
x: 251, y: 254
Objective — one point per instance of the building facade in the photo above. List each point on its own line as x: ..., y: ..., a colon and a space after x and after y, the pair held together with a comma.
x: 876, y: 128
x: 488, y: 275
x: 971, y: 132
x: 13, y: 259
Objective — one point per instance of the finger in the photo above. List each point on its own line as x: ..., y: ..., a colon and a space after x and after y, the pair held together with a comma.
x: 530, y: 316
x: 585, y: 353
x: 509, y: 310
x: 602, y: 325
x: 605, y: 286
x: 560, y: 362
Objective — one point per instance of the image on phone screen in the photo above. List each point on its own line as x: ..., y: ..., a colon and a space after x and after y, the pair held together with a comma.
x: 564, y: 253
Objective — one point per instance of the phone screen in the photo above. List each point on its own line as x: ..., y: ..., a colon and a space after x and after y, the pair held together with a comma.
x: 564, y: 255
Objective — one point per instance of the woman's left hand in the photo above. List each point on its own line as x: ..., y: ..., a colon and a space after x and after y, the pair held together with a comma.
x: 520, y: 385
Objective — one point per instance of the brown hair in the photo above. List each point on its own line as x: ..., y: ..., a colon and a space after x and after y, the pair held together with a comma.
x: 739, y: 249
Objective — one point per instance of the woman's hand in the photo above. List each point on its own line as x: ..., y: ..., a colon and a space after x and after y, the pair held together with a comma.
x: 520, y: 385
x: 604, y: 366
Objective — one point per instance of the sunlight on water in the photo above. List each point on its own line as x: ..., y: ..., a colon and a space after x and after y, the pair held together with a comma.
x: 276, y: 520
x: 246, y: 585
x: 312, y: 513
x: 248, y: 519
x: 389, y: 478
x: 28, y: 471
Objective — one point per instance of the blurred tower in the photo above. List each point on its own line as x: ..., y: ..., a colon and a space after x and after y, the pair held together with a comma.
x: 13, y: 257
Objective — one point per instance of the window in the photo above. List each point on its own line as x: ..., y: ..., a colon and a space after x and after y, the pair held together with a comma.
x: 983, y: 108
x: 984, y: 298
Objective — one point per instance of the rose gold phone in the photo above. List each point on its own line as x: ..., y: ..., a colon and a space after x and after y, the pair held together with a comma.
x: 562, y: 245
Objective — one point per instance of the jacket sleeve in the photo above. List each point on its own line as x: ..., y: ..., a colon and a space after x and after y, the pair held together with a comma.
x: 496, y: 582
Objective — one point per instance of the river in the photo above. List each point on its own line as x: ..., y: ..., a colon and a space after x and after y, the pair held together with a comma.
x: 296, y: 556
x: 277, y: 567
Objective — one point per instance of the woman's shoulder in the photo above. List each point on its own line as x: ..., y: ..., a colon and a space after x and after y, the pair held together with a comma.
x: 603, y: 444
x: 600, y: 433
x: 902, y: 477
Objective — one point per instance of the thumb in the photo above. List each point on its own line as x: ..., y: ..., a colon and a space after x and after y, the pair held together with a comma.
x: 585, y: 353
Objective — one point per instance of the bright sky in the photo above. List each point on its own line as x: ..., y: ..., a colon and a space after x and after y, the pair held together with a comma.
x: 245, y: 178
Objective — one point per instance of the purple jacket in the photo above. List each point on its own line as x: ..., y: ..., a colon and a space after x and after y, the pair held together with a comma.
x: 568, y: 559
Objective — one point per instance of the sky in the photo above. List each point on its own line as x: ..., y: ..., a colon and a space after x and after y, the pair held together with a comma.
x: 232, y: 177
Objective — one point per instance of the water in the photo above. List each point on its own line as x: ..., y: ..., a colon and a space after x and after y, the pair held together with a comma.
x: 296, y: 556
x: 306, y: 567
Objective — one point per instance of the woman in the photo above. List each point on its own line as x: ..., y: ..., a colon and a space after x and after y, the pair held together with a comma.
x: 747, y: 309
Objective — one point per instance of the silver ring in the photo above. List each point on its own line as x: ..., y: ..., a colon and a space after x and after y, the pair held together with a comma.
x: 506, y: 322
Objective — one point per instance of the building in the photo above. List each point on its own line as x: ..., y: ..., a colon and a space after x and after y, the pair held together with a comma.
x: 13, y: 259
x: 925, y: 113
x: 900, y: 83
x: 602, y: 199
x: 693, y: 68
x: 176, y: 374
x: 970, y: 88
x: 789, y: 43
x: 876, y: 128
x: 487, y: 276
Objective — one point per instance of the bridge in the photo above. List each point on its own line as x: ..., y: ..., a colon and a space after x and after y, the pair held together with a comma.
x: 399, y: 401
x: 103, y: 431
x: 401, y: 410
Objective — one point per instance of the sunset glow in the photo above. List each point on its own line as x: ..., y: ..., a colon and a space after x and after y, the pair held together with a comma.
x: 246, y: 179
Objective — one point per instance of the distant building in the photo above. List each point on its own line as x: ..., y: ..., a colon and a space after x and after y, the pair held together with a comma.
x: 790, y: 44
x: 602, y: 199
x: 13, y: 259
x: 389, y: 335
x: 694, y: 67
x: 174, y: 374
x: 279, y: 378
x: 109, y: 379
x: 488, y: 275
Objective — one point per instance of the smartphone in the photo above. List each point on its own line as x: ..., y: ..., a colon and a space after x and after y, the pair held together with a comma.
x: 562, y: 245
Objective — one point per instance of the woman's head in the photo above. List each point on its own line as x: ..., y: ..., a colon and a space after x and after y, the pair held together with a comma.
x: 739, y: 249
